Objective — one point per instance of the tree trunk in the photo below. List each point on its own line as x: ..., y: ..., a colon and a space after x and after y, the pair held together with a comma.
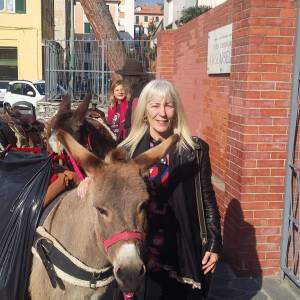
x: 99, y: 16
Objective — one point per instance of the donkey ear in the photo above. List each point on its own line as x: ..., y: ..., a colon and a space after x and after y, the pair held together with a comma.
x: 153, y: 155
x: 83, y: 108
x: 87, y: 160
x: 65, y: 104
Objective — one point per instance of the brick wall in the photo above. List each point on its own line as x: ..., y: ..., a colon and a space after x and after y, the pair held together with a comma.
x: 243, y: 116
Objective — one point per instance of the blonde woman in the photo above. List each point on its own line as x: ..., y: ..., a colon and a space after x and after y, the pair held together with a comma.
x: 183, y: 232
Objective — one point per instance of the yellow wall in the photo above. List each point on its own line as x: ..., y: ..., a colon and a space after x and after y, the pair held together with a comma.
x: 24, y: 31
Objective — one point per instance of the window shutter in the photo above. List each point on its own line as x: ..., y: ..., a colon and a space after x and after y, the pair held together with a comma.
x: 87, y: 27
x: 20, y: 6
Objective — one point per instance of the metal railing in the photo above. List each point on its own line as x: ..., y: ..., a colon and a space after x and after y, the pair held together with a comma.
x: 81, y: 67
x: 290, y: 248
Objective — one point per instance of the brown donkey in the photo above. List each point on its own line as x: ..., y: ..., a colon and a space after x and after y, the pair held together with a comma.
x: 103, y: 229
x: 95, y: 135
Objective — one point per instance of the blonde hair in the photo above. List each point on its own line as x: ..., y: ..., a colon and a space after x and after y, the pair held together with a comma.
x: 112, y: 88
x: 158, y: 89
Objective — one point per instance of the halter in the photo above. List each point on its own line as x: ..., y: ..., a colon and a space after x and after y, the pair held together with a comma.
x: 121, y: 236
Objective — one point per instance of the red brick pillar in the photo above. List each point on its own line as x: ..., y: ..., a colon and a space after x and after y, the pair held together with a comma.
x: 262, y: 59
x: 165, y: 55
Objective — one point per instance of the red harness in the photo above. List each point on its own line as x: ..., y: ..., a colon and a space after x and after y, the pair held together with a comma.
x: 121, y: 236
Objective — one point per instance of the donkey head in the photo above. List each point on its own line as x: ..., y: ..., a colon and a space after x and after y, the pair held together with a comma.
x: 68, y: 120
x: 117, y: 194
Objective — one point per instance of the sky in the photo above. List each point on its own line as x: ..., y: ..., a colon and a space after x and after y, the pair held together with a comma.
x: 137, y: 2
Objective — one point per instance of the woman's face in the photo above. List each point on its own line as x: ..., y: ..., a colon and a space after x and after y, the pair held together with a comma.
x: 119, y: 93
x: 160, y: 114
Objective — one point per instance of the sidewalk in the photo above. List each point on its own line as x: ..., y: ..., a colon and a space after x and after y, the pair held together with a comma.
x: 226, y: 285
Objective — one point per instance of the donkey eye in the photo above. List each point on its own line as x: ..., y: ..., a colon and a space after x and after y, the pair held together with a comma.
x: 102, y: 211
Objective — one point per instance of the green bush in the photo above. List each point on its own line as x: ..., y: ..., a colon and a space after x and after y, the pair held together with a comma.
x: 191, y: 13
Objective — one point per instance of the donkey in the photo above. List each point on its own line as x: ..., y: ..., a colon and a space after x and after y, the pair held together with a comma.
x: 93, y: 134
x: 28, y: 131
x: 104, y: 228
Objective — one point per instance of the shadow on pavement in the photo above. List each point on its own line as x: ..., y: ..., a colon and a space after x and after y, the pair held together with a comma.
x: 239, y: 247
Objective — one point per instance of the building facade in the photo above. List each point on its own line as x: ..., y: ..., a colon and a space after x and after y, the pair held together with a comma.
x: 173, y: 9
x: 24, y: 25
x: 82, y: 24
x: 122, y: 12
x: 144, y: 15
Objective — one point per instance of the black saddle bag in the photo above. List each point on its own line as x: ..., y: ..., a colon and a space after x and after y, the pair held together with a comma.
x: 23, y: 183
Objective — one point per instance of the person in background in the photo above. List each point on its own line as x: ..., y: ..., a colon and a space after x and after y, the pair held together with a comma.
x: 134, y: 79
x: 183, y: 236
x: 117, y: 110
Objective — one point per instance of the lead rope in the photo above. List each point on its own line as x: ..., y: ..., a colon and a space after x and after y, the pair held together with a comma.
x: 76, y: 168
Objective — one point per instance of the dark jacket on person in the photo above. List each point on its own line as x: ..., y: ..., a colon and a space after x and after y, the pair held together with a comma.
x: 182, y: 200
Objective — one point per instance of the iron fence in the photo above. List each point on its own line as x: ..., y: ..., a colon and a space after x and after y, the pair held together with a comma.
x: 81, y: 67
x: 290, y: 248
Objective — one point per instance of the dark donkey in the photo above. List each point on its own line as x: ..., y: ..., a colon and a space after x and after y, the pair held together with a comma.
x: 103, y: 229
x: 92, y: 134
x: 21, y: 130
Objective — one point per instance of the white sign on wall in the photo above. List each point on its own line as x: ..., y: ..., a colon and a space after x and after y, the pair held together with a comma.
x: 219, y: 50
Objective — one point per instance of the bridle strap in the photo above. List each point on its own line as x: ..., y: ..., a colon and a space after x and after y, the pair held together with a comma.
x: 76, y: 168
x: 121, y: 236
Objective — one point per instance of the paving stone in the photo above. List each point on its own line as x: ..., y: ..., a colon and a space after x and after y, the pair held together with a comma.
x: 254, y: 296
x: 291, y: 286
x: 227, y: 286
x: 245, y: 284
x: 276, y: 290
x: 226, y: 293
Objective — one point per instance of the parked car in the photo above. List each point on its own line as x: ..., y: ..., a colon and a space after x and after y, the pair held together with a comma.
x: 24, y: 90
x: 3, y: 89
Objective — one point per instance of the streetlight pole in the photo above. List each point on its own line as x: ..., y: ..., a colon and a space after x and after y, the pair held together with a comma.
x: 72, y: 56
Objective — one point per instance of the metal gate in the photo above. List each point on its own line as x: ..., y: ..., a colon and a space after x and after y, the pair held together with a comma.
x: 81, y: 67
x: 290, y: 249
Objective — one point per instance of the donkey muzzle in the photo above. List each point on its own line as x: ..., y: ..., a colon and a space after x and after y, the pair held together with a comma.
x: 129, y: 277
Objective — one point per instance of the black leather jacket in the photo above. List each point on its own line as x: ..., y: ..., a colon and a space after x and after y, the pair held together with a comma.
x: 207, y: 196
x: 182, y: 200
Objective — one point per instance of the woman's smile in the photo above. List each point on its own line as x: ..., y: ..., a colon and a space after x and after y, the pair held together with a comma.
x: 160, y: 114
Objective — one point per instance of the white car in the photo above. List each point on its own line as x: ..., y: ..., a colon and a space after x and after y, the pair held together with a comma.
x: 24, y: 90
x: 3, y: 88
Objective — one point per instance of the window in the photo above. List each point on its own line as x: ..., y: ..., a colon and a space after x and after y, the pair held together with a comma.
x: 87, y: 47
x: 137, y: 20
x: 18, y: 6
x: 7, y: 5
x: 16, y: 88
x: 8, y: 63
x: 27, y: 88
x: 145, y: 18
x: 87, y: 27
x: 156, y: 19
x: 40, y: 87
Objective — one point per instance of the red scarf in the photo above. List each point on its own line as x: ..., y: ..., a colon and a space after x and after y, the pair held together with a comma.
x: 122, y: 111
x: 112, y: 110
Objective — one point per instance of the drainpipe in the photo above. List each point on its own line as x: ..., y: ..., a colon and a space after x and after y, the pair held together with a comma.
x: 72, y: 57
